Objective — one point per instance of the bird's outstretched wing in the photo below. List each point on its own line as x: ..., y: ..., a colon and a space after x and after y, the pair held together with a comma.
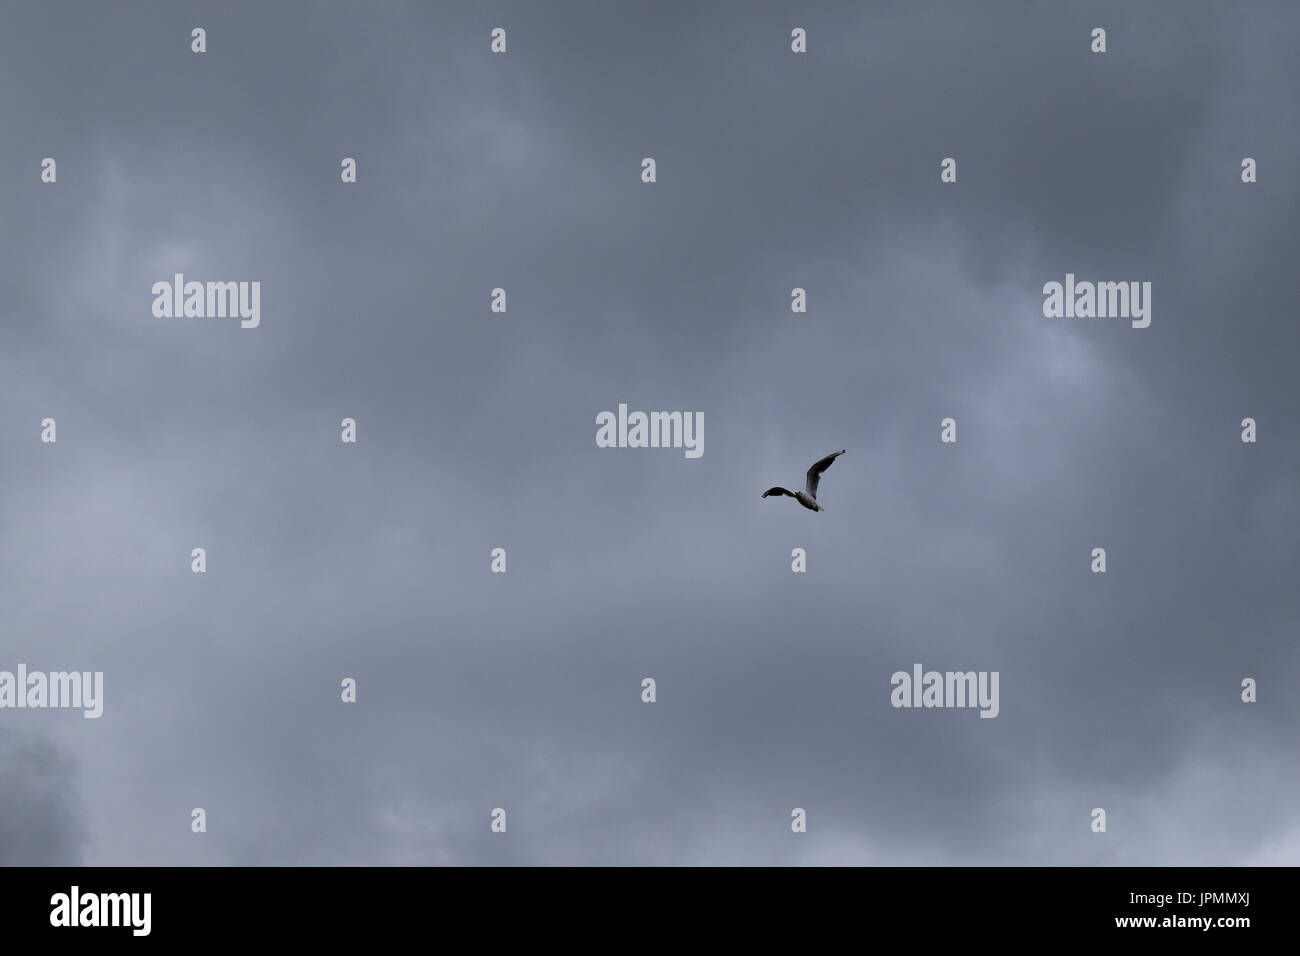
x: 778, y: 491
x: 815, y: 472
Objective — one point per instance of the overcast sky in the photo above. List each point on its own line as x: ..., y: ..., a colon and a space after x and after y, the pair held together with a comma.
x: 477, y: 430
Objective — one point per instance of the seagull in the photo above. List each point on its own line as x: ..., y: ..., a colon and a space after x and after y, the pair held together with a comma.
x: 808, y: 497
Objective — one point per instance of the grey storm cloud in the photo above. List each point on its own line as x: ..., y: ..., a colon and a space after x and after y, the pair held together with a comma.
x: 41, y: 822
x: 476, y: 430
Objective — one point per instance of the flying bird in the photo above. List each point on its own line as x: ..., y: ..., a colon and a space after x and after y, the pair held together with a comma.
x: 808, y: 497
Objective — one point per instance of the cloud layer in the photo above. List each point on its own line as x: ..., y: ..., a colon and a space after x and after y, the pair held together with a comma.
x: 776, y: 170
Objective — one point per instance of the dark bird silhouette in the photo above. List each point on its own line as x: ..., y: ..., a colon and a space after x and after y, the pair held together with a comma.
x: 808, y: 497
